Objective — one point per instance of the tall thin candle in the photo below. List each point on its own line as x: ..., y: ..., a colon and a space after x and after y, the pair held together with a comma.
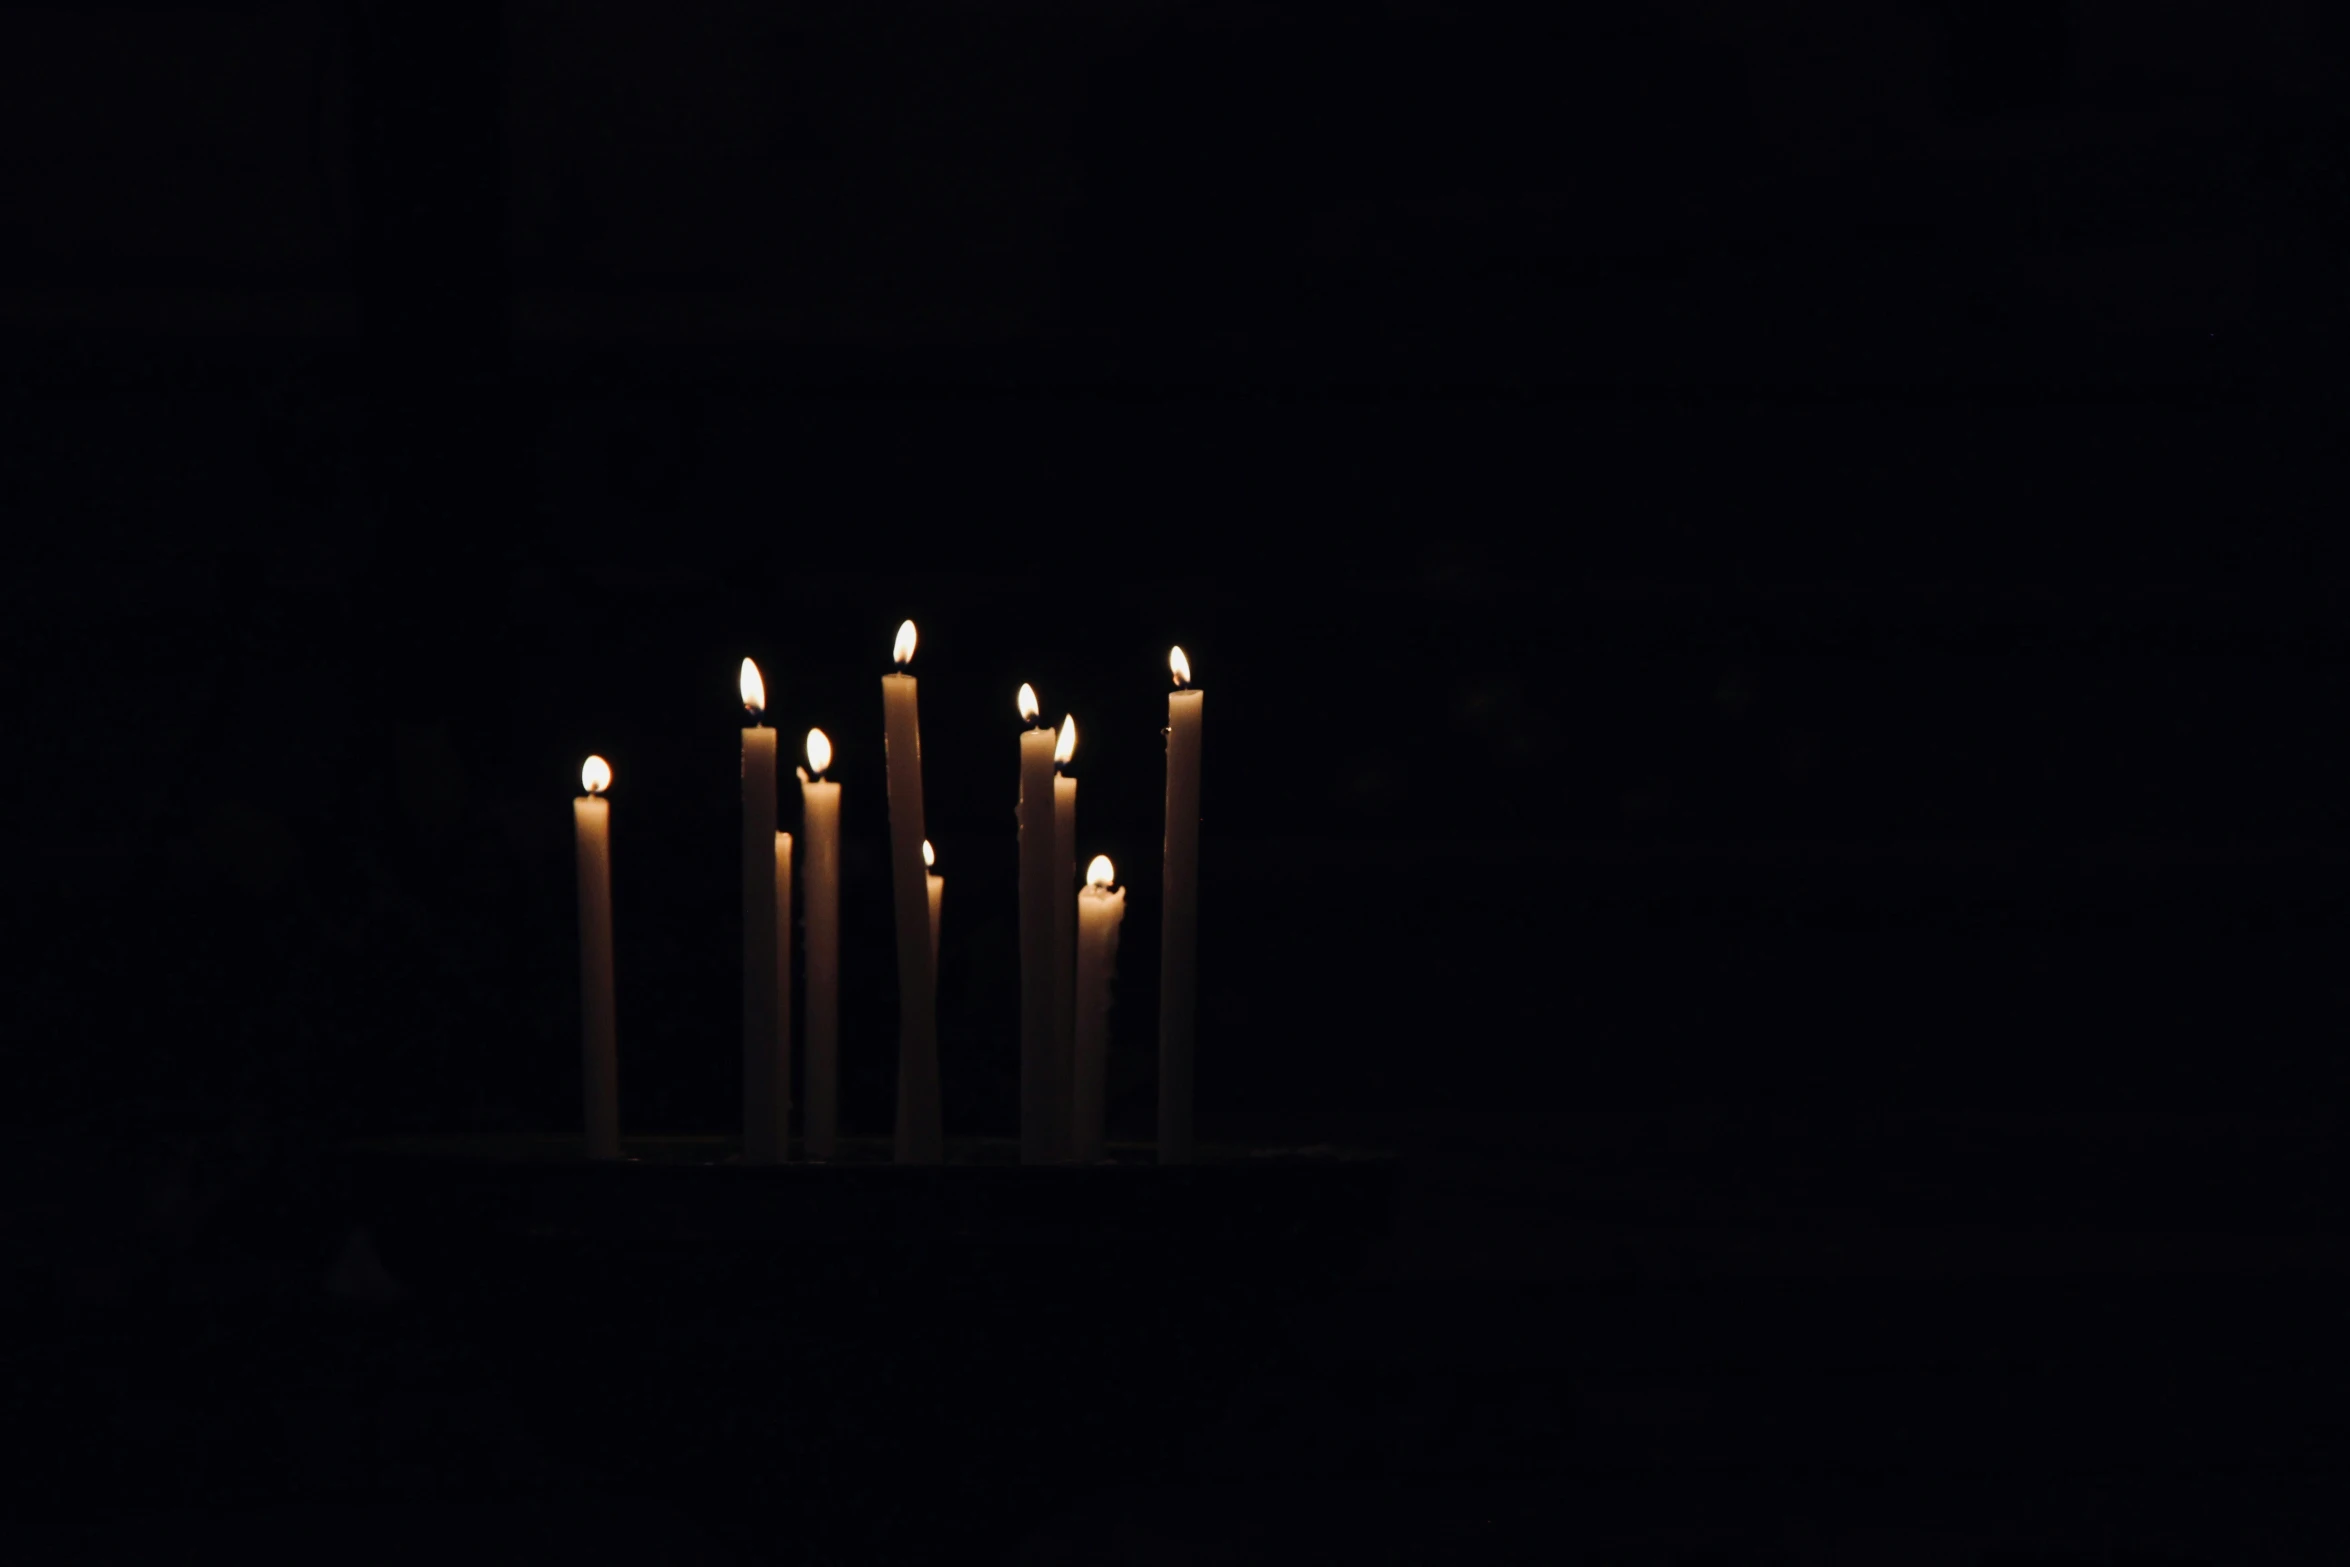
x: 920, y: 1134
x: 1179, y: 930
x: 1064, y: 959
x: 1042, y: 1093
x: 820, y: 896
x: 591, y: 820
x: 1100, y: 908
x: 762, y: 1041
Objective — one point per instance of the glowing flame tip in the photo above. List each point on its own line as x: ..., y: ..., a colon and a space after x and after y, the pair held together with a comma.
x: 929, y: 855
x: 595, y: 775
x: 1065, y: 748
x: 903, y: 651
x: 1179, y: 666
x: 1028, y: 708
x: 754, y: 689
x: 1101, y: 873
x: 819, y: 751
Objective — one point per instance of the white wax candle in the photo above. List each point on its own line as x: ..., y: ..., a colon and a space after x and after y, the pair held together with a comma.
x: 920, y: 1135
x: 1179, y: 931
x: 1064, y: 959
x: 591, y: 821
x: 820, y: 900
x: 761, y: 1041
x: 1101, y: 908
x: 1041, y: 1091
x: 781, y: 1098
x: 938, y: 891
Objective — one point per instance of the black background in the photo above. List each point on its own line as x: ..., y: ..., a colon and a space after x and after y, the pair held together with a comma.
x: 1766, y: 556
x: 1666, y: 468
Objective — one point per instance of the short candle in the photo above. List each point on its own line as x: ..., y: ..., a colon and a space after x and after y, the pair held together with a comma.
x: 1101, y: 907
x: 591, y: 820
x: 820, y: 900
x: 1042, y: 1093
x: 762, y: 1022
x: 938, y: 892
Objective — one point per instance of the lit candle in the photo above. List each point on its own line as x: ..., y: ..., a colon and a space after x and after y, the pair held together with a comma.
x: 1064, y: 960
x: 938, y: 892
x: 762, y: 1043
x: 1042, y: 1094
x: 591, y: 821
x: 920, y: 1135
x: 1179, y: 930
x: 820, y: 892
x: 1100, y: 909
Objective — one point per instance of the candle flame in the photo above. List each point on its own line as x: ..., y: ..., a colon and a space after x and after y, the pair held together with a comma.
x: 1065, y: 748
x: 929, y: 855
x: 754, y: 689
x: 1179, y: 665
x: 903, y: 651
x: 1028, y: 703
x: 1101, y: 873
x: 819, y: 751
x: 595, y: 775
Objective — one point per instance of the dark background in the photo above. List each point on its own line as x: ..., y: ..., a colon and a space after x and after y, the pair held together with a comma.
x: 1762, y: 555
x: 1704, y: 527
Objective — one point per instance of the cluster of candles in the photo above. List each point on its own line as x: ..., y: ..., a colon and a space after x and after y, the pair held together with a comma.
x: 1068, y: 950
